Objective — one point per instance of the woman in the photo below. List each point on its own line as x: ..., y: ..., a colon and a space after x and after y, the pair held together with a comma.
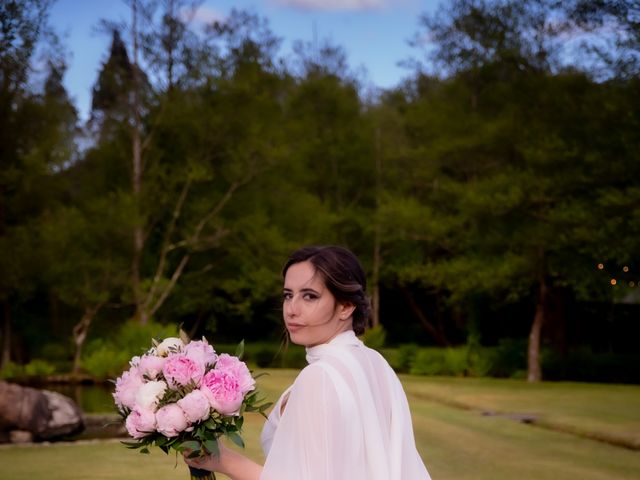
x: 346, y: 415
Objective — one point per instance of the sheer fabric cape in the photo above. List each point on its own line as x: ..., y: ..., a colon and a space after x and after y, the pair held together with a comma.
x: 346, y: 418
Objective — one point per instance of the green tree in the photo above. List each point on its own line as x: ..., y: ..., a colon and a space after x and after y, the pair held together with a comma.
x: 37, y: 130
x: 515, y: 154
x: 87, y: 260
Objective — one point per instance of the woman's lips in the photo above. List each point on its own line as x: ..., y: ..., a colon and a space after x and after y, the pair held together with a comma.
x: 294, y: 327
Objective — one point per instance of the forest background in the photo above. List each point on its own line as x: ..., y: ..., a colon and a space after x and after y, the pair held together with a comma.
x: 493, y: 195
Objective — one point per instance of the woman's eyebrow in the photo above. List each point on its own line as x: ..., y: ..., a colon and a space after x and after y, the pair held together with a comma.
x: 303, y: 290
x: 307, y: 290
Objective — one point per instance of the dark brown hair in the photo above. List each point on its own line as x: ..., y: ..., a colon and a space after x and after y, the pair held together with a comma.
x: 343, y: 276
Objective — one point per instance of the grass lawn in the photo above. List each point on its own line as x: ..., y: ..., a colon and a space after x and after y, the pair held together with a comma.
x: 456, y: 443
x: 608, y: 412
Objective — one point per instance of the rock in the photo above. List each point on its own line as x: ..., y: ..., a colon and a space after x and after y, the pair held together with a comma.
x: 46, y: 415
x: 20, y: 436
x: 104, y: 426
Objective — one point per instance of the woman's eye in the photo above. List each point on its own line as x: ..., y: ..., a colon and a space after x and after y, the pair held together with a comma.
x: 286, y: 296
x: 309, y: 296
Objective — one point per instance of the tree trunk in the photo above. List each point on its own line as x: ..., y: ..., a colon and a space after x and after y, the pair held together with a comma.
x: 375, y: 277
x: 138, y: 232
x: 436, y: 331
x: 6, y: 334
x: 375, y: 294
x: 534, y: 373
x: 80, y: 331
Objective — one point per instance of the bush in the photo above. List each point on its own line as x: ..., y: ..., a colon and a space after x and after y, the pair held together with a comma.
x: 583, y: 365
x: 38, y: 368
x: 265, y: 356
x: 269, y: 354
x: 135, y: 339
x: 508, y: 359
x: 107, y: 358
x: 405, y: 356
x: 105, y: 361
x: 375, y: 337
x: 440, y: 361
x: 11, y: 370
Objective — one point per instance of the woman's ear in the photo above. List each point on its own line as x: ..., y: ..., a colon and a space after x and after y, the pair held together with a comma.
x: 345, y: 310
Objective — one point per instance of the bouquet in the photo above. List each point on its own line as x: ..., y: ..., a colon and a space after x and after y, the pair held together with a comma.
x: 182, y: 395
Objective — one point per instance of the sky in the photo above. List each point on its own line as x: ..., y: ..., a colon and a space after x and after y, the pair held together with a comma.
x: 374, y: 33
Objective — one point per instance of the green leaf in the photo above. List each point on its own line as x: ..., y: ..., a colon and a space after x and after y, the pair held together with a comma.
x: 265, y: 406
x: 235, y: 438
x: 145, y: 450
x: 183, y: 336
x: 190, y: 444
x: 195, y: 454
x: 212, y: 447
x: 239, y: 422
x: 132, y: 444
x: 240, y: 349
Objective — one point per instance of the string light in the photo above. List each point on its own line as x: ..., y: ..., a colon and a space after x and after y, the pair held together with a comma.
x: 600, y: 266
x: 632, y: 284
x: 625, y: 269
x: 613, y: 281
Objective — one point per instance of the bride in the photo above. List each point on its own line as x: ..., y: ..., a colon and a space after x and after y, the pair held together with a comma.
x: 346, y: 415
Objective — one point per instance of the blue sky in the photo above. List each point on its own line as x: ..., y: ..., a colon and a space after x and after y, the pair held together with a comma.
x: 374, y: 33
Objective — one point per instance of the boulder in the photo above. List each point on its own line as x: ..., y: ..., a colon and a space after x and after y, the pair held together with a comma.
x: 46, y: 415
x: 20, y: 436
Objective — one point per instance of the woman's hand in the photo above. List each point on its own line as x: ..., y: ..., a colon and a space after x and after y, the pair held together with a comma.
x: 228, y: 462
x: 210, y: 462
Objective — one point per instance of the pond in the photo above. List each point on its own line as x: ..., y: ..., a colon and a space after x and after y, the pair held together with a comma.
x: 91, y: 398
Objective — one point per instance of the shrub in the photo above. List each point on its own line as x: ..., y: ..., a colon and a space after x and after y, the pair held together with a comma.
x: 405, y: 357
x: 269, y: 354
x: 440, y: 361
x: 375, y: 337
x: 135, y: 339
x: 39, y: 368
x: 107, y: 358
x: 508, y: 359
x: 581, y: 364
x: 264, y: 356
x: 11, y: 370
x: 105, y: 361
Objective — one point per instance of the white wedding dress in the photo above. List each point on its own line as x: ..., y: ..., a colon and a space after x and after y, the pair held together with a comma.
x: 346, y: 418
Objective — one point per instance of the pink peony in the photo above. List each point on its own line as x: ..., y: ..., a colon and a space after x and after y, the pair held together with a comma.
x: 140, y: 422
x: 201, y: 352
x: 180, y: 370
x: 170, y: 420
x: 238, y: 369
x: 195, y: 406
x: 223, y: 391
x: 151, y: 366
x: 149, y: 394
x: 127, y: 386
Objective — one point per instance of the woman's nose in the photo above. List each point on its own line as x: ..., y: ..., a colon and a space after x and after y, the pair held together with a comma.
x: 291, y: 307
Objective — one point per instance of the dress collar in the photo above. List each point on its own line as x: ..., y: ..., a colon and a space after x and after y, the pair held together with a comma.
x: 344, y: 339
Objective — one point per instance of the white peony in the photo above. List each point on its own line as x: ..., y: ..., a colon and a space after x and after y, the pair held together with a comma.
x: 150, y: 394
x: 169, y: 345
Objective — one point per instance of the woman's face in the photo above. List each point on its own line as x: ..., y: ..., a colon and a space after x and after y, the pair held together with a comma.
x: 310, y: 310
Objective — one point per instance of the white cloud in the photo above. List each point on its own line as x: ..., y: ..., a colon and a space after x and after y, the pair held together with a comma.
x: 202, y: 16
x: 329, y: 5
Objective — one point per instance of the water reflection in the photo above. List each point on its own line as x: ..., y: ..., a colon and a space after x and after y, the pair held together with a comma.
x: 94, y: 398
